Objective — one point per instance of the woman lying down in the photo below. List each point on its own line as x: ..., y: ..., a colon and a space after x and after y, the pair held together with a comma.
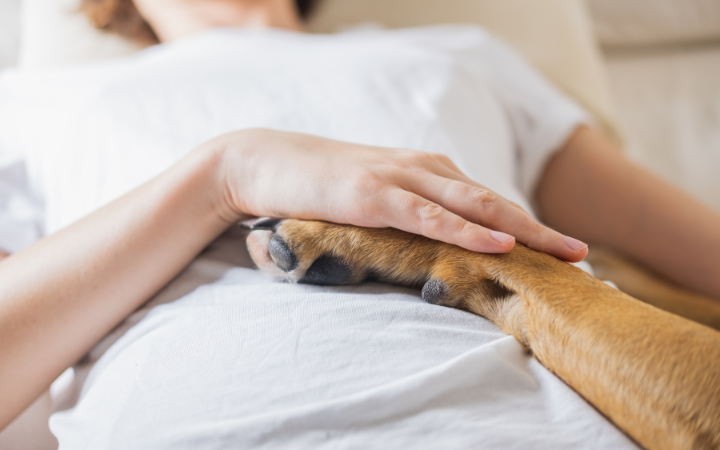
x: 440, y: 131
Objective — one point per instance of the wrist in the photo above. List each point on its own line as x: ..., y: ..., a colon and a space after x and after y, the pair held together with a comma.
x: 212, y: 163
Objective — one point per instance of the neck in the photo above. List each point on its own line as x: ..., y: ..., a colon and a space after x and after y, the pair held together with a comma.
x: 175, y: 19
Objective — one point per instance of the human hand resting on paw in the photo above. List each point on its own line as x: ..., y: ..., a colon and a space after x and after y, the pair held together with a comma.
x: 51, y: 315
x: 280, y: 174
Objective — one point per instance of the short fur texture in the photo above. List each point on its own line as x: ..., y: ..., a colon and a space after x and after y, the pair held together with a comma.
x: 641, y: 283
x: 654, y: 374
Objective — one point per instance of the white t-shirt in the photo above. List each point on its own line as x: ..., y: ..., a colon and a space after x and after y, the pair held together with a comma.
x: 223, y: 358
x: 91, y: 133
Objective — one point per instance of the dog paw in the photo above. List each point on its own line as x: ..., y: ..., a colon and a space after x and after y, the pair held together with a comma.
x: 303, y: 251
x: 322, y: 253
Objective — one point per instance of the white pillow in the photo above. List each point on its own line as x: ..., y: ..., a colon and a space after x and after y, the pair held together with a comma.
x: 555, y: 35
x: 643, y: 22
x: 9, y: 30
x: 54, y: 32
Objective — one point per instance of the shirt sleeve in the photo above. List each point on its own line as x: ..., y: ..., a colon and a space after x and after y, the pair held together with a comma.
x: 21, y: 212
x: 541, y: 117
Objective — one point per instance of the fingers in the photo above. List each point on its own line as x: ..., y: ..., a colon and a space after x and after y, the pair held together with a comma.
x: 487, y: 208
x: 447, y: 163
x: 415, y: 214
x: 448, y: 169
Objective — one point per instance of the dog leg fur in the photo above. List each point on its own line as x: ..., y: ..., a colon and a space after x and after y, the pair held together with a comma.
x: 654, y: 374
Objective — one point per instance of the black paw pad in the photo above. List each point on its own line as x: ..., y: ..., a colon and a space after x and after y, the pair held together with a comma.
x: 434, y: 292
x: 281, y: 254
x: 327, y: 271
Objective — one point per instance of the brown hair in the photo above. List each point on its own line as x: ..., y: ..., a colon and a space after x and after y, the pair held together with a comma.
x: 121, y: 16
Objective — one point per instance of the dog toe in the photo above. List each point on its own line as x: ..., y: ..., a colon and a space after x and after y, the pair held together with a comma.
x: 435, y: 292
x: 327, y: 270
x: 281, y: 254
x: 308, y: 252
x: 262, y: 223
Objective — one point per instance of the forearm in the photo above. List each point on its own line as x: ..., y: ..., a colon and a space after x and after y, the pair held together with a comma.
x: 591, y: 191
x: 61, y: 295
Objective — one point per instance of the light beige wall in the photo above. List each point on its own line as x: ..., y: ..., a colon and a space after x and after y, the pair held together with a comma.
x: 655, y: 22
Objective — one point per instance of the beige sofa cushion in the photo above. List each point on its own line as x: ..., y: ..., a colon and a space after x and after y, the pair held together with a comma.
x: 654, y: 22
x: 669, y: 104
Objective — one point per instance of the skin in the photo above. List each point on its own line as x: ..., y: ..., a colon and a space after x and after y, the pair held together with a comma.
x: 62, y: 294
x: 174, y: 19
x: 590, y: 184
x: 654, y: 374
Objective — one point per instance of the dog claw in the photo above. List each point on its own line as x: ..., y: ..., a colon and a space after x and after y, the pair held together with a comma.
x: 261, y: 223
x: 272, y: 247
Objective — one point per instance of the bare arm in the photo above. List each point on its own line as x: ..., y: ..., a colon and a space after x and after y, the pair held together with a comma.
x: 61, y: 295
x: 591, y: 191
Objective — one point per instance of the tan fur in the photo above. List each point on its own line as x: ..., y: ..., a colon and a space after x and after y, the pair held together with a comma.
x: 641, y: 283
x: 654, y: 374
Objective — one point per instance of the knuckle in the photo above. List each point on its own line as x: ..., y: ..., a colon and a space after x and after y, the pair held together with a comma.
x: 487, y: 201
x: 430, y: 212
x: 437, y: 156
x: 366, y: 180
x: 467, y: 229
x: 536, y: 228
x: 442, y: 158
x: 458, y: 189
x: 536, y: 234
x: 421, y: 158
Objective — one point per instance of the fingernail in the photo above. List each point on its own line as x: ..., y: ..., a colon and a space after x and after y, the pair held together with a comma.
x: 501, y: 237
x: 574, y: 244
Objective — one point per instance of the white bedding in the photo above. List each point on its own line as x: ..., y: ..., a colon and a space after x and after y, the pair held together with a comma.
x: 242, y: 362
x: 21, y: 211
x: 223, y: 358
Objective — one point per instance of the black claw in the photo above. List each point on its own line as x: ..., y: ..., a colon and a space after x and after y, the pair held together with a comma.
x: 434, y: 292
x: 281, y: 254
x: 327, y: 270
x: 263, y: 223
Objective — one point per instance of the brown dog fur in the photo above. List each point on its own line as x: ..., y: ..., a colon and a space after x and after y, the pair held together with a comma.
x: 641, y: 283
x: 654, y: 374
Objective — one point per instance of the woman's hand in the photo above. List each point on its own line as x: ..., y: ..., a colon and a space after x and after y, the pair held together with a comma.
x: 280, y: 174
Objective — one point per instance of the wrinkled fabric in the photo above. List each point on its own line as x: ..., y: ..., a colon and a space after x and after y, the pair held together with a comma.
x: 240, y: 361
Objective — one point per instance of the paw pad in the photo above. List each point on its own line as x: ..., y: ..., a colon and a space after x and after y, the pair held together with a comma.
x: 435, y: 292
x: 327, y: 270
x: 281, y: 254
